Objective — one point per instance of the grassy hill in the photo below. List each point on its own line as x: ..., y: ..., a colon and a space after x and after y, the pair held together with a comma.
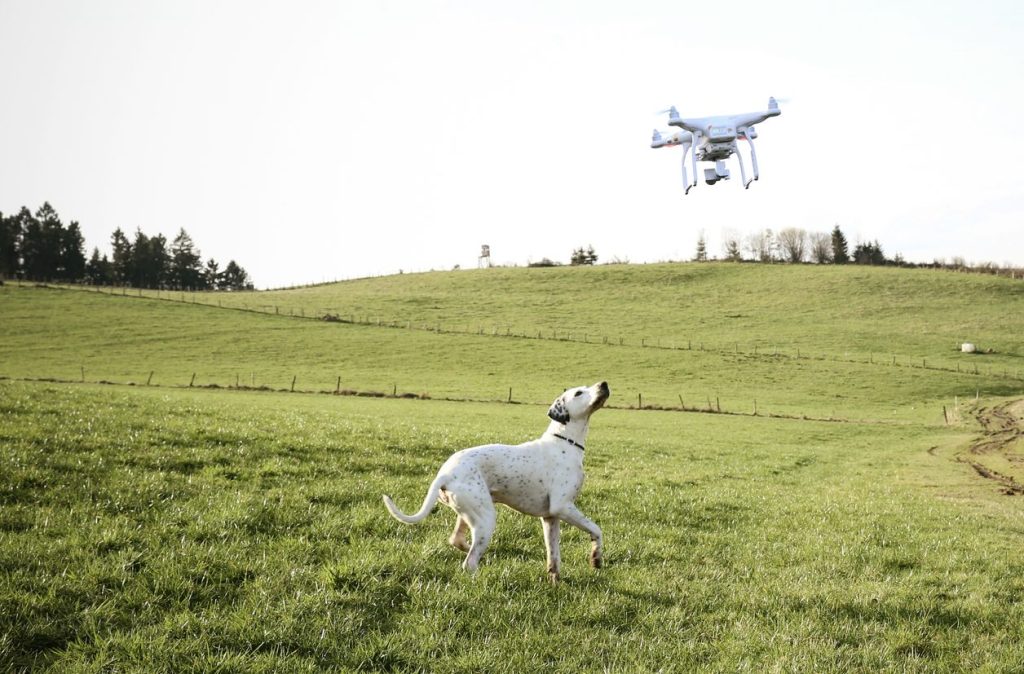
x: 830, y: 310
x: 845, y: 527
x: 846, y: 342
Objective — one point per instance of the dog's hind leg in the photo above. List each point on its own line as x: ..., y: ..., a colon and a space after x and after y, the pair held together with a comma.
x: 574, y: 517
x: 458, y: 537
x: 482, y: 519
x: 552, y: 532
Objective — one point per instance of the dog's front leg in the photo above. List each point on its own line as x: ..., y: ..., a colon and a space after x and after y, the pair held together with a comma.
x: 552, y: 533
x: 573, y: 516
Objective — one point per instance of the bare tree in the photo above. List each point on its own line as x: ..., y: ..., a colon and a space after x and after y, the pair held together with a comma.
x: 762, y: 245
x: 793, y: 244
x: 821, y: 247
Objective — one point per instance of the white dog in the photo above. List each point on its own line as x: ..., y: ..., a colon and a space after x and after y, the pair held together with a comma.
x: 540, y: 478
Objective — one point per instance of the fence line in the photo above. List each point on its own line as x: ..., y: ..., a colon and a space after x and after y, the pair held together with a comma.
x: 710, y: 408
x: 893, y: 360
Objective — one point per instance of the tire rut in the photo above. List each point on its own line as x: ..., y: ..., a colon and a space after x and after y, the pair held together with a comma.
x: 1002, y: 425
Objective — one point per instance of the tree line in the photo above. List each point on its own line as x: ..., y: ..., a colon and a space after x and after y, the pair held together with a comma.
x: 797, y: 245
x: 41, y: 248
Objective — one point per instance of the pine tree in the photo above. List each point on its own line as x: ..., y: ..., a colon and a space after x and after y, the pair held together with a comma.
x: 72, y: 254
x: 121, y: 262
x: 139, y: 271
x: 869, y: 253
x: 150, y: 260
x: 97, y: 269
x: 211, y: 275
x: 234, y: 278
x: 840, y: 255
x: 10, y: 240
x: 731, y: 246
x: 702, y: 249
x: 159, y: 260
x: 34, y: 260
x: 185, y: 268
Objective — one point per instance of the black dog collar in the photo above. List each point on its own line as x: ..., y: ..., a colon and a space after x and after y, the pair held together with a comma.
x: 571, y: 442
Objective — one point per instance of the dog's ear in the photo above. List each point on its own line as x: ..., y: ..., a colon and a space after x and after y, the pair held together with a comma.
x: 558, y: 412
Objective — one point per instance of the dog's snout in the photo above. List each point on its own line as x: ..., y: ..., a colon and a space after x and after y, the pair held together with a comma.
x: 603, y: 387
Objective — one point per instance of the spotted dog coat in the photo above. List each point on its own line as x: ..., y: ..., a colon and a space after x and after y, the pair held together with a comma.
x: 542, y: 478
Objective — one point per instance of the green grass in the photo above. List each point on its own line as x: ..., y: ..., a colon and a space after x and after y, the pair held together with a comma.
x: 72, y: 335
x: 169, y: 528
x: 205, y: 530
x: 846, y: 310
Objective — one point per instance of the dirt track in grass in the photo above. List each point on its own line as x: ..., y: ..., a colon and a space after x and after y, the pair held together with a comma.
x: 1002, y: 430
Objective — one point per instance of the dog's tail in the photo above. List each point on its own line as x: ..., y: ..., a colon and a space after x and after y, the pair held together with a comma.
x: 428, y: 504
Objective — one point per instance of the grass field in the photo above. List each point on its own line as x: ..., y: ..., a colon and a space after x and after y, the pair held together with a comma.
x: 168, y: 528
x: 125, y: 339
x: 846, y: 310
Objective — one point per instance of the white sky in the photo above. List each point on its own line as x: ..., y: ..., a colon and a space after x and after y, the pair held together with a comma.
x: 320, y: 140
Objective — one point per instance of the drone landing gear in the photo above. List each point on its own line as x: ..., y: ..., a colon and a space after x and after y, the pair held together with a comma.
x: 743, y: 170
x: 693, y: 160
x: 753, y: 154
x: 686, y: 178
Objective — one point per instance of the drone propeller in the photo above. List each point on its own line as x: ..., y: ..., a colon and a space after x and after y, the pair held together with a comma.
x: 668, y: 111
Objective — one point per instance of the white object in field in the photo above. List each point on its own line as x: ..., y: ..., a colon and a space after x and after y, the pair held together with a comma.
x: 967, y: 347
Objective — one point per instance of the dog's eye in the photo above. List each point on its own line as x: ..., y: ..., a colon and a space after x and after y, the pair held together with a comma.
x: 578, y: 394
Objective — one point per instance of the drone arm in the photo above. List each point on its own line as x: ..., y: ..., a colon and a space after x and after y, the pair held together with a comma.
x: 694, y: 126
x: 751, y: 118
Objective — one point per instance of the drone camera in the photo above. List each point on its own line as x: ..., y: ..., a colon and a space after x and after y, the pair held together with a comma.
x: 713, y: 175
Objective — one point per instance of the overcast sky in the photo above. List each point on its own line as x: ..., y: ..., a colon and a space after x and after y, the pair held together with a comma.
x: 320, y: 140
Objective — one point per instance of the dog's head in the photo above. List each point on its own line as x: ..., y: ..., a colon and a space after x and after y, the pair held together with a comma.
x: 579, y: 402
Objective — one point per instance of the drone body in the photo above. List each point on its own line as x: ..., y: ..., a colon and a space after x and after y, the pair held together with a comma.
x: 715, y: 139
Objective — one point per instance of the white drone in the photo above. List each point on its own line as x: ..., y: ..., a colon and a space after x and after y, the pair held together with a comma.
x: 714, y: 139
